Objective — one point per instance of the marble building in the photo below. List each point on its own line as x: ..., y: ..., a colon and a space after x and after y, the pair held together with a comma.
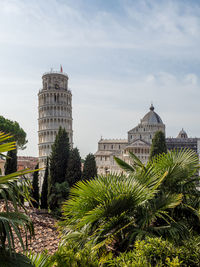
x: 54, y: 111
x: 138, y: 141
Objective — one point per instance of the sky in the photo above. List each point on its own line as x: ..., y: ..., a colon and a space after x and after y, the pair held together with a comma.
x: 120, y: 56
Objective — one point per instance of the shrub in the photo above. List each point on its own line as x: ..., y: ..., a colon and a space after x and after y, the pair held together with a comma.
x: 71, y: 255
x: 149, y: 252
x: 58, y: 194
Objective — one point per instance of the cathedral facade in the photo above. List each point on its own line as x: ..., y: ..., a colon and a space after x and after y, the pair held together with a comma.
x: 139, y: 142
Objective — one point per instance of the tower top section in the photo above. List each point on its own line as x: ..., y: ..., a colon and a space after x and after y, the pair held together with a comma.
x: 55, y: 80
x: 54, y: 72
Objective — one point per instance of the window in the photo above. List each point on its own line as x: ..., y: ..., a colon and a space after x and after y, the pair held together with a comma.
x: 111, y: 146
x: 104, y: 147
x: 119, y: 146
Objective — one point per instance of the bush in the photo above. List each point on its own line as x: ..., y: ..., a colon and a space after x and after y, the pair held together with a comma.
x: 149, y: 252
x: 190, y: 252
x: 71, y: 255
x: 58, y: 195
x: 158, y: 252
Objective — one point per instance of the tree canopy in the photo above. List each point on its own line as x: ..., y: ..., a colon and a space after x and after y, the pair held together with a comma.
x: 74, y: 173
x: 58, y: 164
x: 158, y: 144
x: 90, y: 168
x: 13, y: 128
x: 35, y: 189
x: 11, y: 162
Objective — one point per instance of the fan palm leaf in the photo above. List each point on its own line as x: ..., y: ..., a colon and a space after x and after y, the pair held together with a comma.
x: 12, y: 222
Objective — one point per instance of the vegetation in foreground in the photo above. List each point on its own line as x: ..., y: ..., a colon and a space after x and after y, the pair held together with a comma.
x: 148, y: 216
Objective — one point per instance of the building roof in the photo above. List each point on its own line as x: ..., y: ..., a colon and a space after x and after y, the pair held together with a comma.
x: 151, y: 117
x: 113, y: 141
x: 182, y: 134
x: 138, y: 143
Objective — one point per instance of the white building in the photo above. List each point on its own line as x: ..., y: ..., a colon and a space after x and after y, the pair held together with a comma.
x: 54, y: 111
x: 139, y: 142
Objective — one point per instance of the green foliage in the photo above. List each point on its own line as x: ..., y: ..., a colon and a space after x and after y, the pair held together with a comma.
x: 35, y: 188
x: 12, y: 221
x: 58, y: 164
x: 13, y: 128
x: 149, y: 252
x: 39, y: 259
x: 73, y: 173
x: 159, y: 252
x: 11, y: 162
x: 181, y: 168
x: 90, y: 168
x: 113, y: 211
x: 158, y: 144
x: 14, y: 259
x: 59, y: 157
x: 71, y: 255
x: 44, y: 193
x: 59, y: 194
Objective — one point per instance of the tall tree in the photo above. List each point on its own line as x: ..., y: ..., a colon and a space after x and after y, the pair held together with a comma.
x: 44, y: 193
x: 58, y: 161
x: 13, y: 128
x: 73, y: 173
x: 158, y: 144
x: 11, y: 162
x: 35, y: 188
x: 90, y: 168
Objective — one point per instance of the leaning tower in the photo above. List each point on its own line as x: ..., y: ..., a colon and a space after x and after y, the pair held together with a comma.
x: 55, y: 110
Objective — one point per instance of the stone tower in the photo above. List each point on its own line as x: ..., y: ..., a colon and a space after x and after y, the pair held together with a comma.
x: 55, y: 110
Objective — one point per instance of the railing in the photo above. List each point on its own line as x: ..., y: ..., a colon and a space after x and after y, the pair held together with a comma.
x: 55, y: 72
x: 53, y: 89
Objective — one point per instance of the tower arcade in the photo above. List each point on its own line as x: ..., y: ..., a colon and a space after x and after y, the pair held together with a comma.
x: 54, y: 111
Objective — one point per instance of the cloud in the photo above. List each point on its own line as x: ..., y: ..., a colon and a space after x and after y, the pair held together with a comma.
x: 140, y: 26
x: 120, y: 55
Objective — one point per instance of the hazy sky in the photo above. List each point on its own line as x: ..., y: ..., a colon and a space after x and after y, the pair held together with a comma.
x: 120, y: 56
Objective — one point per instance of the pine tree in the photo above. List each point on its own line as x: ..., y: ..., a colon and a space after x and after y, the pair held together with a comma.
x: 73, y: 173
x: 44, y: 193
x: 11, y: 162
x: 58, y: 161
x: 35, y: 188
x: 90, y: 168
x: 158, y: 144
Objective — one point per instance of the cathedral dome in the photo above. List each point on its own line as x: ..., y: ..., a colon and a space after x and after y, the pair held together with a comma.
x: 182, y: 134
x: 151, y: 117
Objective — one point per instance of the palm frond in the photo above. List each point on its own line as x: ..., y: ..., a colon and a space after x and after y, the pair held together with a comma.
x: 39, y: 259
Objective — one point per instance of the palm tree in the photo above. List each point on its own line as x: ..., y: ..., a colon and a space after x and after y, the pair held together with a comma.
x: 112, y: 212
x: 182, y: 167
x: 12, y: 221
